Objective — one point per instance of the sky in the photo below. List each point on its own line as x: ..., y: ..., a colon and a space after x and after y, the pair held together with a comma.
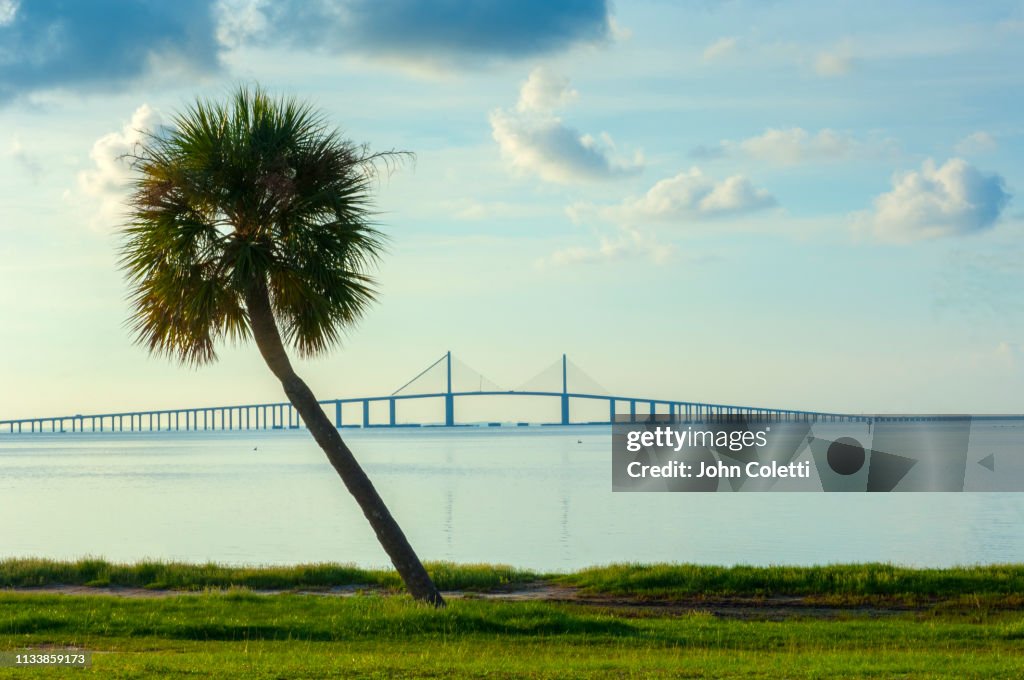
x: 787, y: 204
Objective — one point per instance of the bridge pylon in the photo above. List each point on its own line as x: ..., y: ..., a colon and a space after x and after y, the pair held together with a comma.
x: 282, y: 416
x: 565, y: 390
x: 449, y: 398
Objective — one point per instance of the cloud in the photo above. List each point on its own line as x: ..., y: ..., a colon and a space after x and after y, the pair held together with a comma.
x: 534, y: 139
x: 238, y: 21
x: 835, y: 62
x: 832, y: 65
x: 47, y: 44
x: 106, y: 183
x: 704, y: 152
x: 545, y: 91
x: 27, y: 161
x: 693, y: 192
x: 110, y: 44
x: 976, y: 143
x: 692, y: 195
x: 446, y: 30
x: 1009, y: 353
x: 794, y: 145
x: 954, y: 199
x: 627, y: 244
x: 720, y: 49
x: 473, y: 210
x: 8, y: 10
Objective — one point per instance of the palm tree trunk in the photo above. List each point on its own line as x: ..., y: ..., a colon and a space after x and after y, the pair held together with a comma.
x: 403, y: 557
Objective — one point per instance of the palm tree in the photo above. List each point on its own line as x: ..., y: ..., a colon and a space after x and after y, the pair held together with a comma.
x: 251, y: 219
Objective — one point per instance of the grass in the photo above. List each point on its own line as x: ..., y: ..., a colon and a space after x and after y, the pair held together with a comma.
x: 32, y: 573
x: 841, y: 580
x: 241, y: 634
x: 626, y: 580
x: 969, y: 622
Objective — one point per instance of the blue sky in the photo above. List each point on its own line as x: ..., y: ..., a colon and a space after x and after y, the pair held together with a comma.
x: 793, y: 204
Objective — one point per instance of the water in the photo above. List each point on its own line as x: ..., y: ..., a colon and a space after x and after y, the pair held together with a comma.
x: 538, y: 498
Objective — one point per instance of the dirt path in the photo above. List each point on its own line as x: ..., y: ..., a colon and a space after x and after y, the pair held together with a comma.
x: 735, y: 607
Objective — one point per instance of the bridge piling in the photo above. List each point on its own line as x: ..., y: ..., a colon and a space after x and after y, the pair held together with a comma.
x: 284, y: 415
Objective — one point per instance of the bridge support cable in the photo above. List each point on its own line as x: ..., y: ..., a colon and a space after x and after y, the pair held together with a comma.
x: 448, y: 378
x: 567, y: 379
x: 419, y: 375
x: 445, y: 378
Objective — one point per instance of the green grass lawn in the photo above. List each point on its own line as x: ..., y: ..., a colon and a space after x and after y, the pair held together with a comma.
x: 966, y: 623
x: 242, y: 634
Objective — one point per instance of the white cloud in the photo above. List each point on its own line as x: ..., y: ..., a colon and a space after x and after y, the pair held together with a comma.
x: 240, y: 20
x: 691, y: 195
x: 544, y: 92
x: 628, y: 244
x: 976, y: 143
x: 473, y: 210
x: 26, y: 160
x: 953, y: 199
x: 721, y: 48
x: 835, y: 62
x: 733, y: 195
x: 619, y: 32
x: 107, y: 181
x: 796, y: 145
x: 8, y: 11
x: 534, y: 139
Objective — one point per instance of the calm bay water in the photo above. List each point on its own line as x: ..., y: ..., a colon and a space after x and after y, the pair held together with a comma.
x: 538, y: 498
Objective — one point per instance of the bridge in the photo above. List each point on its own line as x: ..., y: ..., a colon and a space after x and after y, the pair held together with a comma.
x: 282, y: 415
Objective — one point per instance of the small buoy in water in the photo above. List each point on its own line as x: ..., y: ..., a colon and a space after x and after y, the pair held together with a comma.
x: 254, y: 448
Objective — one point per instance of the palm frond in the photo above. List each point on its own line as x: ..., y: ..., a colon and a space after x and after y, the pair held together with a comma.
x: 251, y: 191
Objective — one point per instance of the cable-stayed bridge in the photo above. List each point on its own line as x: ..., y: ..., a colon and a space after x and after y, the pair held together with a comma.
x: 448, y: 384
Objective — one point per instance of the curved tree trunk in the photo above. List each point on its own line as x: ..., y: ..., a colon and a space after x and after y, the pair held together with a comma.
x: 268, y: 339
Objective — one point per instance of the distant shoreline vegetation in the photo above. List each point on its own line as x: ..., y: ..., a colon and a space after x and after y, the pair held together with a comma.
x: 643, y: 581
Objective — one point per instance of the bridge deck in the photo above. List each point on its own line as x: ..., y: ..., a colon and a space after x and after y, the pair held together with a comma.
x: 282, y: 415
